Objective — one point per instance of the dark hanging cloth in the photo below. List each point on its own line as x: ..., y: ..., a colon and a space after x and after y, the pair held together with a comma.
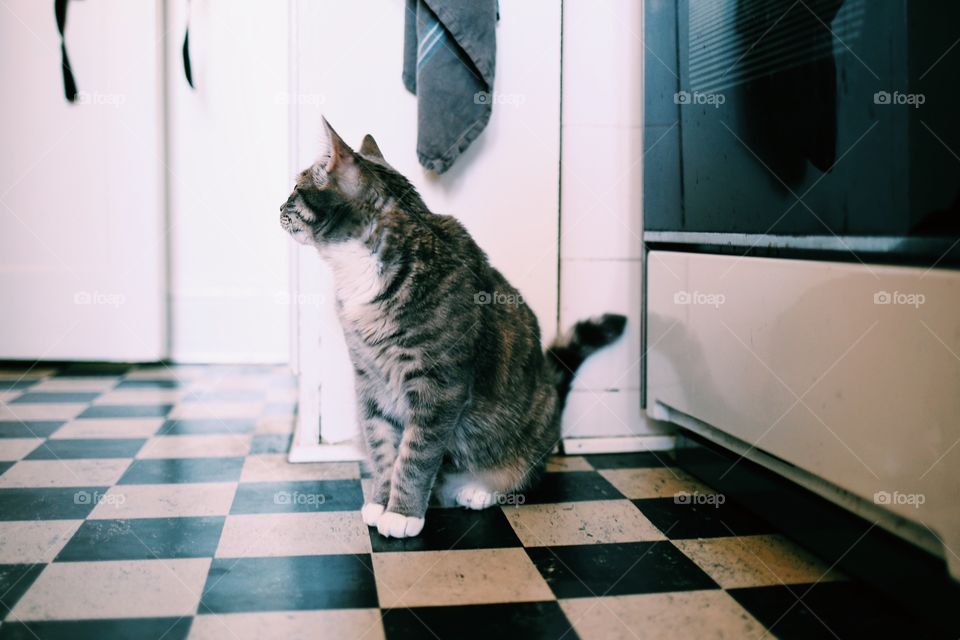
x: 187, y: 68
x: 69, y: 84
x: 448, y: 62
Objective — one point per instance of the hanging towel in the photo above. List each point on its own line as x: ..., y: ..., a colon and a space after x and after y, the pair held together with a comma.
x: 449, y: 58
x: 187, y: 66
x: 69, y: 83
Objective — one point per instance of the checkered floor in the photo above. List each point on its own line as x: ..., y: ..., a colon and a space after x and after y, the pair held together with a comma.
x: 152, y: 502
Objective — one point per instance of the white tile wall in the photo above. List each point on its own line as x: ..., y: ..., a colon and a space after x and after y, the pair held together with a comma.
x: 595, y: 414
x: 602, y: 62
x: 602, y: 176
x: 591, y: 287
x: 617, y: 412
x: 601, y: 202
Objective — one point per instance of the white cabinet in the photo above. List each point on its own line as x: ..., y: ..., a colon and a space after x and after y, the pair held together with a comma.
x: 842, y: 377
x: 147, y: 200
x: 82, y: 242
x: 228, y: 173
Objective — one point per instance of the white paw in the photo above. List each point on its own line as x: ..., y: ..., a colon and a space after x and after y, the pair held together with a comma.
x: 474, y: 496
x: 394, y: 525
x: 371, y: 513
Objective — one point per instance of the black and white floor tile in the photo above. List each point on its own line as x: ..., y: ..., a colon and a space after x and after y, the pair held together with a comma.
x: 157, y: 502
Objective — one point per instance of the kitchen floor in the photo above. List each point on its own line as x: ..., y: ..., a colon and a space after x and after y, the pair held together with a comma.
x: 156, y: 502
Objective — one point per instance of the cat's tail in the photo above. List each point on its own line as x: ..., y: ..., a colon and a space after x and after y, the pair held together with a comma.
x: 569, y: 350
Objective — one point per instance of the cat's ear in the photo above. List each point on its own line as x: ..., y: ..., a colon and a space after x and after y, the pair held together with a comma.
x: 369, y: 147
x: 338, y: 153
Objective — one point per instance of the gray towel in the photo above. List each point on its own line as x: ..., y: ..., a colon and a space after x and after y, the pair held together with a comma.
x: 449, y: 57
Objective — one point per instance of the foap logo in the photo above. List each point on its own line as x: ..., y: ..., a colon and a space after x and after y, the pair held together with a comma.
x: 298, y: 498
x: 99, y: 298
x: 509, y: 499
x: 887, y: 498
x: 714, y: 100
x: 896, y: 98
x: 101, y: 99
x: 712, y: 499
x: 96, y: 497
x: 899, y: 298
x: 699, y: 298
x: 495, y: 97
x: 497, y: 297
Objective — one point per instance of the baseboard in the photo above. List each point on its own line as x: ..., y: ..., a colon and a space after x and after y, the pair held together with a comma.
x: 325, y: 453
x: 571, y: 446
x: 581, y: 446
x: 238, y: 358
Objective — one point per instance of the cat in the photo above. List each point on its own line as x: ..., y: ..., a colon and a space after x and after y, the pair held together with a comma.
x: 451, y: 380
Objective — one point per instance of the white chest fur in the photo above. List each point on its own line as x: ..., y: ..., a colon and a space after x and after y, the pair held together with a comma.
x: 356, y: 276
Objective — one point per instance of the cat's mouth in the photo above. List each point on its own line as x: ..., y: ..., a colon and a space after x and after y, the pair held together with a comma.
x: 289, y: 217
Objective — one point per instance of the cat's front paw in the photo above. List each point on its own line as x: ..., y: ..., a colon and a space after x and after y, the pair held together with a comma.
x: 371, y: 513
x: 394, y: 525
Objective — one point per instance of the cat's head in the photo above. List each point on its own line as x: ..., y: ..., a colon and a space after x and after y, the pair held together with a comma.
x: 336, y: 198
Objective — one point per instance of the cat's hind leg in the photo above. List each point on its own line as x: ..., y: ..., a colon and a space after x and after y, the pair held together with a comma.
x: 481, y: 489
x: 476, y: 496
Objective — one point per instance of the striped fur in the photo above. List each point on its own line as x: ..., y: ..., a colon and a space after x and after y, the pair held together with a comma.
x: 451, y: 379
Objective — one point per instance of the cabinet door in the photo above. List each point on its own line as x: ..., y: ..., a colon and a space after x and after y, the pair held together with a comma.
x: 82, y: 238
x: 228, y: 155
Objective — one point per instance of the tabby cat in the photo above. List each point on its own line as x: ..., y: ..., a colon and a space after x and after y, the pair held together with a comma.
x: 452, y: 385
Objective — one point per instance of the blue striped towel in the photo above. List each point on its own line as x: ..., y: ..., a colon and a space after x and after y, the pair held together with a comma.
x: 449, y: 58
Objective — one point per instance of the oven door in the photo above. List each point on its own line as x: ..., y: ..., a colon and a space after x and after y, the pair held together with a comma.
x: 820, y: 118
